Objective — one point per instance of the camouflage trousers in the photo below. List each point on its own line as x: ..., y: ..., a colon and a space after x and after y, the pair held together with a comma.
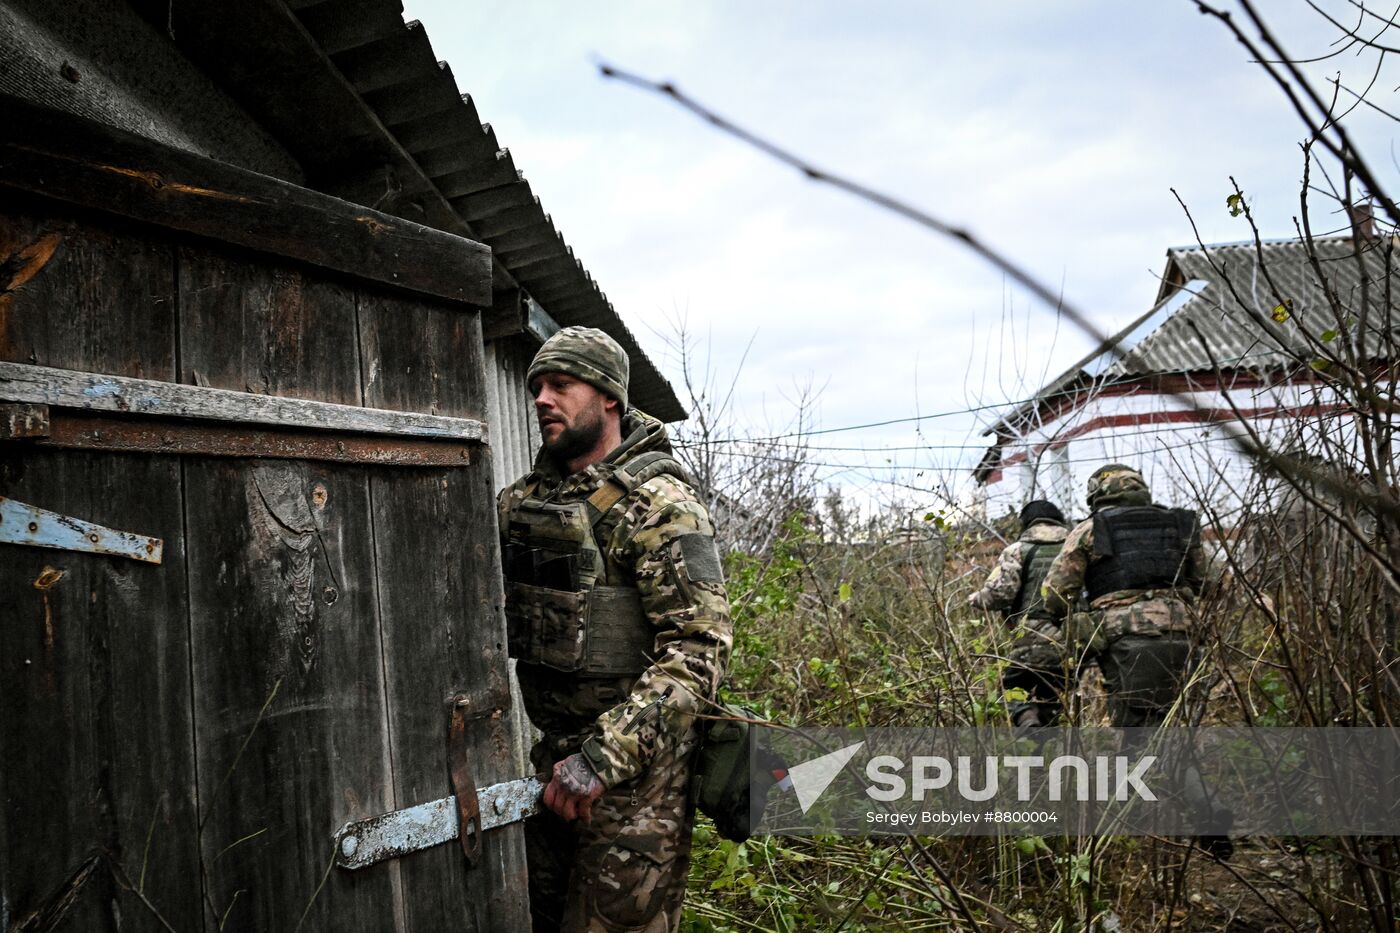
x: 1146, y: 655
x: 1040, y: 666
x: 1143, y: 675
x: 626, y: 869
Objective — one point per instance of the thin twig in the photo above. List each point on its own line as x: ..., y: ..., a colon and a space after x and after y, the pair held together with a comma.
x: 241, y: 748
x: 1054, y: 299
x: 120, y: 876
x: 317, y: 893
x: 1050, y: 296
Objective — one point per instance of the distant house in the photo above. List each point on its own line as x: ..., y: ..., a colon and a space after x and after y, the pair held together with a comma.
x: 1231, y: 336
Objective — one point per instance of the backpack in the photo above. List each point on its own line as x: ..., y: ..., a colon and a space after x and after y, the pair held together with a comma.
x: 736, y: 769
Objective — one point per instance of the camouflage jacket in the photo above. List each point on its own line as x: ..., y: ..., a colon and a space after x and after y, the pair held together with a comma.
x: 1123, y: 612
x: 1004, y: 582
x: 618, y: 722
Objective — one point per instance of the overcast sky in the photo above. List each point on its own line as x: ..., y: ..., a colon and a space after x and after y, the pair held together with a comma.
x: 1054, y: 130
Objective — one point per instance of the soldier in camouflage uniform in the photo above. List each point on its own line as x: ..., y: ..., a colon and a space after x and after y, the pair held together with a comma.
x: 1143, y: 568
x: 619, y: 620
x: 1038, y: 662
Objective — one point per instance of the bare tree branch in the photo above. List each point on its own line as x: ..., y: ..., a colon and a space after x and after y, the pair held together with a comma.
x: 1051, y: 297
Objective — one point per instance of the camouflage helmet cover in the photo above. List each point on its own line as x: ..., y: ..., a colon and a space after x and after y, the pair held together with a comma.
x: 585, y: 353
x: 1116, y: 482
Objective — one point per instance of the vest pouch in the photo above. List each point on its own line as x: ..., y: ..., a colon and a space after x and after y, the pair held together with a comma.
x: 1084, y: 633
x: 619, y: 639
x: 557, y: 614
x: 734, y: 773
x: 598, y: 632
x: 540, y: 567
x: 546, y: 626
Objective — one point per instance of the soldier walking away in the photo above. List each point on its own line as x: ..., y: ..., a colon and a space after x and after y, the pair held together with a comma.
x: 617, y: 614
x: 1142, y: 567
x: 1037, y: 659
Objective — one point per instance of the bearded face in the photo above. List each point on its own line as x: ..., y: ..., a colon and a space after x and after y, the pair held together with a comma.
x: 571, y: 414
x: 575, y: 437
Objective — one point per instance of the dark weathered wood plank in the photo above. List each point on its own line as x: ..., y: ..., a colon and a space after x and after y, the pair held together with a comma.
x: 289, y: 693
x: 95, y: 725
x: 506, y: 316
x: 421, y: 359
x: 450, y: 636
x: 258, y: 50
x: 84, y: 295
x: 159, y: 435
x: 251, y: 327
x: 45, y: 385
x: 23, y: 421
x: 75, y: 160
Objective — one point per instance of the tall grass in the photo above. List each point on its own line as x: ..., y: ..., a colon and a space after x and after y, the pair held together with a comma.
x: 873, y: 629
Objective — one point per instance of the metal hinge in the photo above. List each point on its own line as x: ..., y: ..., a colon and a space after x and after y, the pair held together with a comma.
x: 28, y: 524
x: 390, y: 835
x: 461, y: 816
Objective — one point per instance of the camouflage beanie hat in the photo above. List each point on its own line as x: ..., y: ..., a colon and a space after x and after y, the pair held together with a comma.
x: 1117, y: 482
x: 585, y: 353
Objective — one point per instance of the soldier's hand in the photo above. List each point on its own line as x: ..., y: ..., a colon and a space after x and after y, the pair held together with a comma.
x: 573, y: 788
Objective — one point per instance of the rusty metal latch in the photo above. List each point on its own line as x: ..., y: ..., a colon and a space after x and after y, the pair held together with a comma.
x: 28, y: 524
x: 463, y: 785
x: 399, y: 832
x: 18, y: 421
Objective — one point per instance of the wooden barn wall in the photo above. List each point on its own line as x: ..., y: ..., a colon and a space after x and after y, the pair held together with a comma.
x: 96, y: 734
x: 179, y: 741
x: 99, y: 59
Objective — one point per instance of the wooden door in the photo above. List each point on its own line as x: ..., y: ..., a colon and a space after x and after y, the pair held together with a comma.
x: 288, y: 403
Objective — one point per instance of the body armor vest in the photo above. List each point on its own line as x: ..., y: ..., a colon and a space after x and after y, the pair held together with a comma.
x: 1140, y: 547
x: 1029, y: 602
x: 562, y: 610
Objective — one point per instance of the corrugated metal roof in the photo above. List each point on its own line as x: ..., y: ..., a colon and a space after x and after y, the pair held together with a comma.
x: 391, y: 65
x: 1244, y: 285
x: 1228, y: 295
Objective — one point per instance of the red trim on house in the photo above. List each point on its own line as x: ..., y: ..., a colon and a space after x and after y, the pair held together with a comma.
x: 1207, y: 415
x: 1203, y: 381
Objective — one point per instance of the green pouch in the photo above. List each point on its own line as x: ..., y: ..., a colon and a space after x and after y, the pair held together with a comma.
x: 1084, y: 631
x: 734, y: 773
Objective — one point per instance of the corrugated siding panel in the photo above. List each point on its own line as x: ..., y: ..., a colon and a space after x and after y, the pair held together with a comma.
x: 514, y: 438
x: 1229, y: 324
